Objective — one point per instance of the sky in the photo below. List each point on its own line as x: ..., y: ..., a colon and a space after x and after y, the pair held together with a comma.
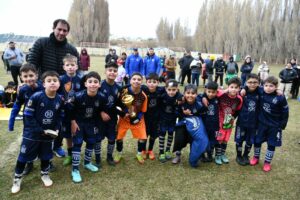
x: 128, y: 18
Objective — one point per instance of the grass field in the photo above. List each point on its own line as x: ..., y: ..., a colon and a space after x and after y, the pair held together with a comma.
x: 153, y: 180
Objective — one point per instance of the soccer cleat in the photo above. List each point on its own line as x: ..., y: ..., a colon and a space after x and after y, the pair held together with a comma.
x: 117, y: 157
x: 176, y: 160
x: 254, y: 161
x: 151, y: 155
x: 140, y: 158
x: 246, y: 160
x: 267, y: 167
x: 240, y: 160
x: 76, y: 176
x: 46, y: 180
x: 168, y: 155
x: 224, y: 159
x: 203, y: 158
x: 28, y: 168
x: 144, y: 155
x: 162, y: 158
x: 67, y: 161
x: 218, y: 160
x: 91, y: 167
x: 110, y: 161
x: 59, y: 152
x: 16, y: 185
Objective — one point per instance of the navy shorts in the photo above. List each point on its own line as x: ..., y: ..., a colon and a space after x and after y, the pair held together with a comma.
x: 108, y: 130
x: 88, y: 133
x: 66, y: 129
x: 271, y: 135
x: 152, y: 128
x: 212, y: 134
x: 167, y: 126
x: 245, y: 134
x: 31, y: 149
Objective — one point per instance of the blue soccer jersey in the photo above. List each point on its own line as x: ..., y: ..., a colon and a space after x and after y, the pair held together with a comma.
x: 211, y: 115
x: 42, y: 113
x: 69, y: 86
x: 169, y: 106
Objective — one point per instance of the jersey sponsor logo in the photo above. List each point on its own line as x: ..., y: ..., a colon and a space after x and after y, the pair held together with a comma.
x: 89, y: 112
x: 252, y: 106
x: 267, y: 107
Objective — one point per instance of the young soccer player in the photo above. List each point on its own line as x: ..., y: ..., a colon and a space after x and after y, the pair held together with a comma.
x: 153, y: 93
x: 168, y: 114
x: 211, y: 117
x: 70, y: 83
x: 109, y: 90
x: 190, y: 129
x: 273, y: 117
x: 29, y: 76
x: 85, y: 108
x: 134, y: 117
x: 42, y: 119
x: 229, y: 104
x: 246, y: 124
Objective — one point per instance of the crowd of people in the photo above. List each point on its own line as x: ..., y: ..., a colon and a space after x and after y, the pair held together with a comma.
x: 63, y: 99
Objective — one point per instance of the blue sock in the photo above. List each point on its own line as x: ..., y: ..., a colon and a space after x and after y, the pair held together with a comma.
x: 88, y: 153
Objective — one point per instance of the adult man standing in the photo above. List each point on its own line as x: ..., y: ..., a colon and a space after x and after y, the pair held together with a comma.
x: 47, y: 53
x: 15, y: 58
x: 185, y: 63
x: 134, y: 63
x: 152, y: 63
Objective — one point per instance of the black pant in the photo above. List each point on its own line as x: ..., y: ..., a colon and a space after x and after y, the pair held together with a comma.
x: 181, y: 139
x: 170, y: 75
x: 221, y: 78
x: 184, y: 74
x: 295, y: 88
x: 15, y: 73
x: 58, y: 141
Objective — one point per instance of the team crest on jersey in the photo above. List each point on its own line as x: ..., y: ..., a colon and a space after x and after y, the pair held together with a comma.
x: 152, y: 103
x: 252, y: 106
x: 267, y: 107
x: 23, y: 149
x: 96, y: 130
x: 274, y: 101
x: 77, y: 86
x: 168, y: 109
x: 116, y: 91
x: 194, y: 110
x: 42, y: 104
x: 29, y: 103
x: 104, y: 91
x: 57, y: 106
x: 49, y: 114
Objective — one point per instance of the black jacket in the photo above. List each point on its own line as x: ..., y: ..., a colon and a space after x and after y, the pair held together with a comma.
x: 111, y: 58
x: 185, y: 62
x: 287, y: 75
x: 219, y: 66
x: 47, y: 54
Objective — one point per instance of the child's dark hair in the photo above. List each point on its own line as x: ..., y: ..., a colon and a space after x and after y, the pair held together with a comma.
x: 26, y: 67
x: 10, y: 85
x: 212, y: 85
x: 70, y: 58
x: 49, y: 73
x: 254, y: 76
x: 271, y: 79
x: 191, y: 87
x: 171, y: 83
x: 152, y: 76
x: 235, y: 80
x: 91, y: 74
x: 136, y: 73
x: 111, y: 64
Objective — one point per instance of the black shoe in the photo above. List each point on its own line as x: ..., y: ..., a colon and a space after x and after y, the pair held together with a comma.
x: 110, y: 161
x: 246, y: 160
x: 209, y: 158
x: 240, y: 160
x: 203, y: 158
x: 51, y: 167
x: 28, y: 168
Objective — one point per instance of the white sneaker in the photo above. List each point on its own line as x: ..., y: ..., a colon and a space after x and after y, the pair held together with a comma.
x: 46, y: 180
x: 16, y: 185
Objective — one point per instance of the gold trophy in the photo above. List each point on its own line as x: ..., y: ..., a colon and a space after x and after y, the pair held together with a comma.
x: 127, y: 99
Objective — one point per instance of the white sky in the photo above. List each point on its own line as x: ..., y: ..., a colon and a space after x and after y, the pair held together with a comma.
x: 128, y: 18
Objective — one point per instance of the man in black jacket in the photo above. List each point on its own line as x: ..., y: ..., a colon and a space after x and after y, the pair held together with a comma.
x: 47, y: 53
x: 219, y: 67
x: 185, y: 63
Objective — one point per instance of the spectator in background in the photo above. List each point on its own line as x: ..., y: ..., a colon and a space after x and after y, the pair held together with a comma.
x: 5, y: 63
x: 27, y: 55
x: 287, y: 75
x: 246, y: 69
x: 134, y: 63
x: 209, y: 64
x: 200, y: 58
x: 84, y: 60
x: 15, y: 58
x: 10, y: 95
x: 152, y: 63
x: 185, y: 62
x: 121, y: 73
x: 219, y: 67
x: 180, y: 66
x: 111, y: 56
x: 263, y: 71
x: 122, y: 60
x: 296, y: 82
x: 231, y: 69
x: 170, y: 65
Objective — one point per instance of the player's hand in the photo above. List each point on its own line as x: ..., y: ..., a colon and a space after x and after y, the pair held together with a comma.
x: 105, y: 117
x: 74, y: 127
x: 279, y: 92
x: 205, y: 101
x: 243, y: 92
x: 187, y: 112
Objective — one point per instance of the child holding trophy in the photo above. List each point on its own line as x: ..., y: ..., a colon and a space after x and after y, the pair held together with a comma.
x: 135, y: 105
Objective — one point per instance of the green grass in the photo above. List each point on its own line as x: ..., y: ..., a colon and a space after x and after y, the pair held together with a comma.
x: 154, y: 180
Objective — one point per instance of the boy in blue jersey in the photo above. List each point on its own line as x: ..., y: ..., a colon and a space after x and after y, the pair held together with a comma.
x: 69, y: 85
x: 153, y: 93
x: 84, y: 109
x: 42, y: 115
x: 211, y: 118
x: 246, y: 124
x: 273, y: 117
x: 168, y: 114
x: 29, y: 76
x: 109, y: 90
